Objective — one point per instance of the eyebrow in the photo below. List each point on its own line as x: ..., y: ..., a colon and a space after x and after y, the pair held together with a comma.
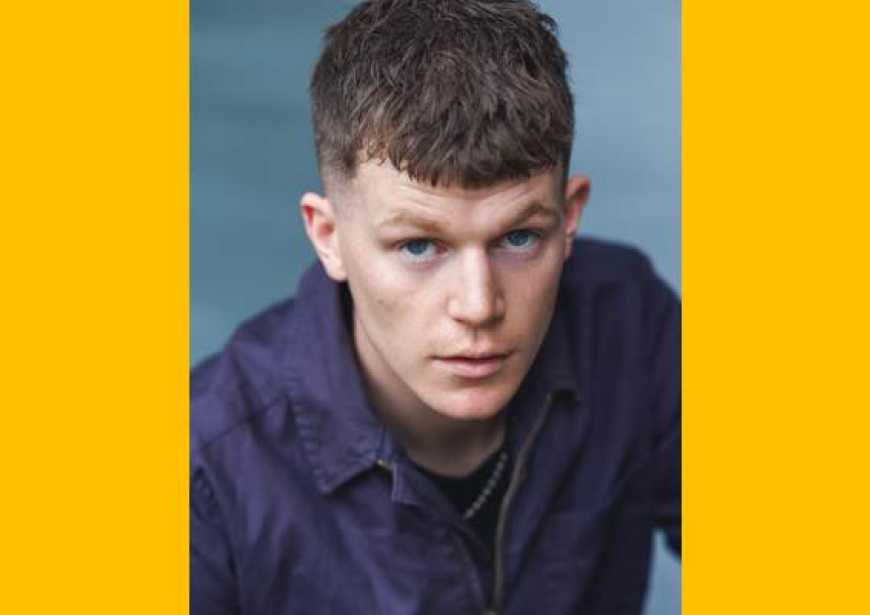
x: 536, y: 208
x: 404, y: 218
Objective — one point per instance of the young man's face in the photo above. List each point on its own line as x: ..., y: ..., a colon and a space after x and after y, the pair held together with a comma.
x: 453, y: 289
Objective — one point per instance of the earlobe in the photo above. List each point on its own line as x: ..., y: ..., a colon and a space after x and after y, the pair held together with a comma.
x: 319, y: 217
x: 576, y: 195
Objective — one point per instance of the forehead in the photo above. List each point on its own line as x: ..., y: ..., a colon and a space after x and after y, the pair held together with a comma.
x: 389, y: 197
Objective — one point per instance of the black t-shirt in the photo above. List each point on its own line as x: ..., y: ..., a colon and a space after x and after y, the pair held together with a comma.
x: 464, y: 491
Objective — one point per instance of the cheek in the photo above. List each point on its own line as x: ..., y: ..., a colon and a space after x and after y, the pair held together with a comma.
x: 378, y: 300
x: 534, y: 291
x: 532, y: 300
x: 383, y: 297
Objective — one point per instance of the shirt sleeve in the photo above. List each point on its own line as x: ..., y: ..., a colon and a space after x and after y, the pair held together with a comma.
x: 666, y: 368
x: 212, y: 574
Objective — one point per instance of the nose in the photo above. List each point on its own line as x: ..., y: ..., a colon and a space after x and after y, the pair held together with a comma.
x: 476, y: 299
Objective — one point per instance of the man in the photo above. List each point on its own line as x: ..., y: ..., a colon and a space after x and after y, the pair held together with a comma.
x: 464, y: 409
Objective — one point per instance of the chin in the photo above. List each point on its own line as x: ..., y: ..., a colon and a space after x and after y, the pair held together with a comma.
x: 473, y: 404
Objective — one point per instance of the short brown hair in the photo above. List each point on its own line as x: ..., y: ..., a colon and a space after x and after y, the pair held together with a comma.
x: 469, y: 92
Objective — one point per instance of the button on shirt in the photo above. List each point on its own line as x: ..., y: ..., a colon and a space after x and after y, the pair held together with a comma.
x: 302, y: 502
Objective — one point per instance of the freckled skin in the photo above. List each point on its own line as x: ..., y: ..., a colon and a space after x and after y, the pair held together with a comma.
x: 474, y: 291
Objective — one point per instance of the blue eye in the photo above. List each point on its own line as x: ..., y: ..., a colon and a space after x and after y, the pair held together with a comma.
x: 521, y: 240
x: 418, y: 250
x: 417, y: 247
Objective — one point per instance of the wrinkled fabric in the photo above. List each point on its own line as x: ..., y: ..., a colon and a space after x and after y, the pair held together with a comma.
x: 302, y: 503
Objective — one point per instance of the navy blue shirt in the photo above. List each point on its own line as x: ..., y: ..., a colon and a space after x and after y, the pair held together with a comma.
x: 302, y: 502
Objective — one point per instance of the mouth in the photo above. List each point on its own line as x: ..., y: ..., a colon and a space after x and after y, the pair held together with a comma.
x: 472, y: 365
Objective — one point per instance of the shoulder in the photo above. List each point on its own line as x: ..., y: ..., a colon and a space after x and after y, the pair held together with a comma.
x: 612, y: 271
x: 243, y: 380
x: 594, y: 261
x: 616, y: 290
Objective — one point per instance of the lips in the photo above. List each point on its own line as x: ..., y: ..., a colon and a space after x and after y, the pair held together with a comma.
x: 472, y: 365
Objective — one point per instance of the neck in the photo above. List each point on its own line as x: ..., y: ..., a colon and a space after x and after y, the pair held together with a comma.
x: 440, y: 444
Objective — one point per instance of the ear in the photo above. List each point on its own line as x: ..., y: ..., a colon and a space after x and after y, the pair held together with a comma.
x: 576, y: 194
x: 319, y: 216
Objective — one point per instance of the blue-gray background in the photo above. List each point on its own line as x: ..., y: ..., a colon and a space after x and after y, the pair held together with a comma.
x: 251, y: 153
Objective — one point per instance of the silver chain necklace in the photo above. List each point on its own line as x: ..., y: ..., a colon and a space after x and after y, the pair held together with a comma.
x: 488, y: 488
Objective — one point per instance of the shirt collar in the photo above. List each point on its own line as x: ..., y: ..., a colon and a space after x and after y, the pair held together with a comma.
x: 338, y: 429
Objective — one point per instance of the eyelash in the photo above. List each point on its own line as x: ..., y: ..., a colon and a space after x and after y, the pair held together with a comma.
x: 534, y: 236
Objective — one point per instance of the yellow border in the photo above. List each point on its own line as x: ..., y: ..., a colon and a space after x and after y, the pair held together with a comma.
x: 93, y: 242
x: 776, y: 310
